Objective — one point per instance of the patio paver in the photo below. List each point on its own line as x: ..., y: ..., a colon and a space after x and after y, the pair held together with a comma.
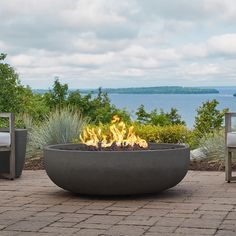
x: 202, y: 204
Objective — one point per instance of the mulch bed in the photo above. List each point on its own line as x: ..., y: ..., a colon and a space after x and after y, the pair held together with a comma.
x: 209, y: 165
x: 36, y: 163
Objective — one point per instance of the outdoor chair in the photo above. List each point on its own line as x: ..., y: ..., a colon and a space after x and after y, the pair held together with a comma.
x: 230, y: 144
x: 7, y: 144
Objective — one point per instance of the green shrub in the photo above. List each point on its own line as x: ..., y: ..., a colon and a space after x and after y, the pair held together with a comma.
x: 60, y: 126
x: 213, y: 145
x: 164, y: 134
x: 158, y: 118
x: 208, y: 118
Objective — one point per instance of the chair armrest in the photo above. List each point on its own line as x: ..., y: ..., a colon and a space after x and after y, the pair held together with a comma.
x: 5, y: 115
x: 11, y: 118
x: 228, y: 121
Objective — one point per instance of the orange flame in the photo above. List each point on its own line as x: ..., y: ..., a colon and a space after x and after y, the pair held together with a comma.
x: 118, y: 135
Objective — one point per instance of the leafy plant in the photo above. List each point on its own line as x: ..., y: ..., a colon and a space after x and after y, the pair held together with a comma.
x: 213, y: 145
x: 60, y: 126
x: 208, y: 118
x: 14, y: 97
x: 164, y: 134
x: 57, y: 96
x: 161, y: 119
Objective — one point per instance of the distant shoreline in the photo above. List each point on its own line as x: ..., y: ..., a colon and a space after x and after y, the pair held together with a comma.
x: 146, y: 90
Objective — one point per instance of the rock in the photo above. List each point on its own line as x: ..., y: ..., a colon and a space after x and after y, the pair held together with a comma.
x: 197, y: 154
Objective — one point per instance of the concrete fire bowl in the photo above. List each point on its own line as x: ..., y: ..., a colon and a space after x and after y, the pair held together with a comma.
x: 116, y: 172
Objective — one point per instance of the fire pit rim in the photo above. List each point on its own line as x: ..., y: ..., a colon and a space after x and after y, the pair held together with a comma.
x: 176, y: 147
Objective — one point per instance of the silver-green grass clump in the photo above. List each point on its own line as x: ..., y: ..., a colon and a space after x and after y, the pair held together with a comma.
x: 213, y: 145
x: 60, y: 126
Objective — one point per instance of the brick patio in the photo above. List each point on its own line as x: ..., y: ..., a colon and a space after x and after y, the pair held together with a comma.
x: 203, y: 204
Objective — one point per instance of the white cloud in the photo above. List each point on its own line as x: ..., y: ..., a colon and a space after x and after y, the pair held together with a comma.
x: 191, y: 51
x: 3, y: 46
x: 200, y: 10
x: 197, y: 69
x: 21, y: 60
x: 89, y: 13
x: 223, y: 44
x: 110, y: 43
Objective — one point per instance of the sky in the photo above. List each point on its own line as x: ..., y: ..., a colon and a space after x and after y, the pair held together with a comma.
x: 111, y: 43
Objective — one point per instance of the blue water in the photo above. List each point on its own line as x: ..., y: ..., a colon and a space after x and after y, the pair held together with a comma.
x: 185, y: 103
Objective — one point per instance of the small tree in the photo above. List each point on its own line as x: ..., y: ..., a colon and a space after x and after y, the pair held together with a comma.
x: 161, y: 118
x: 208, y: 118
x: 57, y: 96
x: 174, y: 117
x: 142, y: 115
x: 12, y: 93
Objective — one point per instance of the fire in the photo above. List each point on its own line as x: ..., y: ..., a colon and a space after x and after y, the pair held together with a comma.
x: 119, y: 135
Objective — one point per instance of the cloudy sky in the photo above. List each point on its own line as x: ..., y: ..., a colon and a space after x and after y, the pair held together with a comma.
x: 111, y: 43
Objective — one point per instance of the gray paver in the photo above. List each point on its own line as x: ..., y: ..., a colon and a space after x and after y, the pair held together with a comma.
x: 126, y: 230
x: 91, y: 232
x: 25, y: 225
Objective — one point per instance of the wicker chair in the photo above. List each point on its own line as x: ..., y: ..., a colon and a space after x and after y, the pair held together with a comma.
x: 7, y: 144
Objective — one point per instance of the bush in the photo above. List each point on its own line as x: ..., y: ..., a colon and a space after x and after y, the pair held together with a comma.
x: 161, y: 119
x: 164, y: 134
x: 208, y: 118
x: 57, y: 96
x: 213, y: 145
x: 60, y: 126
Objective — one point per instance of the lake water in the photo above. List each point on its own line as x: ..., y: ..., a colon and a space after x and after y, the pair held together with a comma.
x: 185, y: 103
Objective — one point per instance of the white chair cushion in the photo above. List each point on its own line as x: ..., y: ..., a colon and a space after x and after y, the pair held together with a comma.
x: 231, y: 139
x: 5, y: 139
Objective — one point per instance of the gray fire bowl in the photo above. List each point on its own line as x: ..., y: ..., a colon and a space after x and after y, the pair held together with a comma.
x: 116, y: 172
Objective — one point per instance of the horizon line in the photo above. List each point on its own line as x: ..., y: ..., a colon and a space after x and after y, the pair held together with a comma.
x: 212, y: 86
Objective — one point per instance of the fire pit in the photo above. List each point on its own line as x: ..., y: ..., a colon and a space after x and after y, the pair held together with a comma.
x: 116, y: 172
x: 116, y: 162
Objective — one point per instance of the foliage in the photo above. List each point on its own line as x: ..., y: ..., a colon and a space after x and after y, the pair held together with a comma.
x: 142, y: 116
x: 213, y: 145
x: 164, y: 134
x: 17, y: 98
x: 161, y: 119
x: 98, y: 108
x: 208, y: 118
x: 37, y: 107
x: 60, y: 126
x: 57, y: 96
x: 13, y: 96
